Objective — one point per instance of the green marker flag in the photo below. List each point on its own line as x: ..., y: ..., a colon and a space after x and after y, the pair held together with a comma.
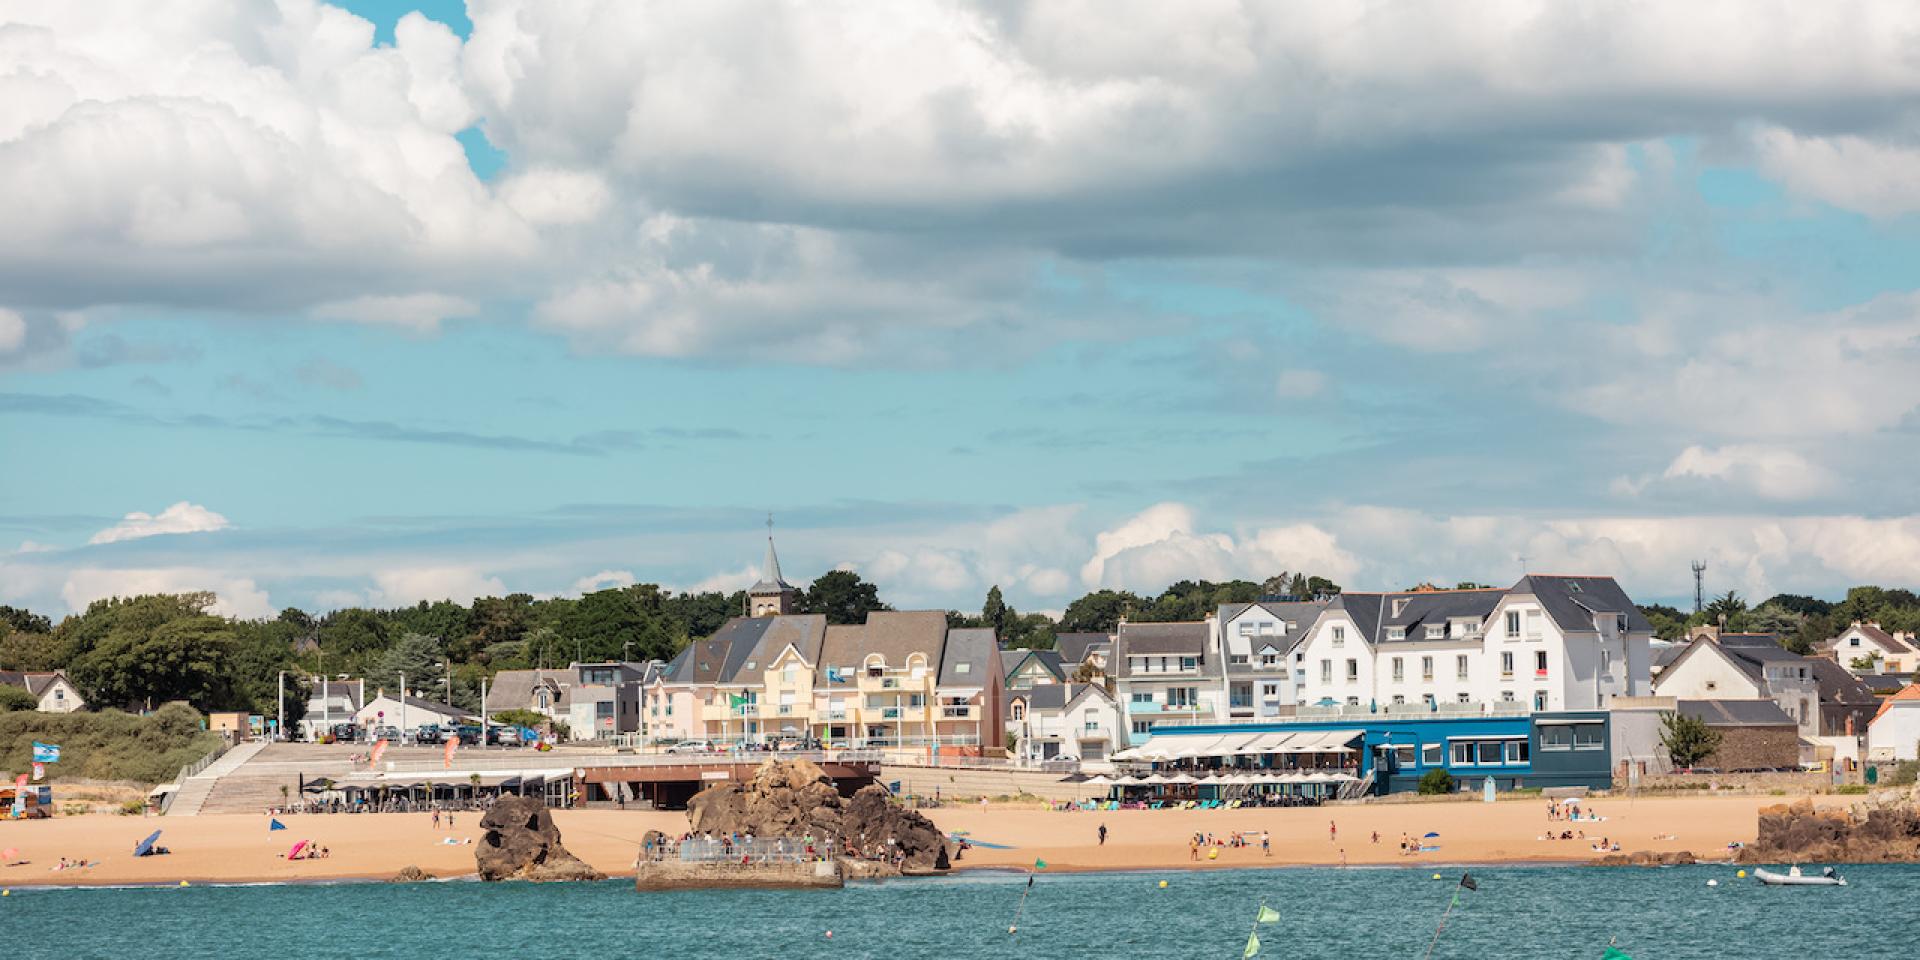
x: 738, y: 701
x: 1039, y: 864
x: 1269, y: 915
x: 1613, y: 953
x: 1253, y: 945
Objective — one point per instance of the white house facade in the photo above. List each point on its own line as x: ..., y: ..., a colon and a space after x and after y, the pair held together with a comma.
x: 1894, y: 733
x: 1745, y: 667
x: 1162, y: 673
x: 1064, y: 720
x: 1547, y: 643
x: 1865, y: 649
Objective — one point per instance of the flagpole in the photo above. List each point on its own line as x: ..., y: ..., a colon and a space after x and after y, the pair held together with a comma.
x: 1443, y: 921
x: 1014, y: 929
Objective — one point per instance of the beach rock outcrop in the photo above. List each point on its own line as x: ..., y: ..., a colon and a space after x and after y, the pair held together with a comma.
x: 410, y: 874
x: 1648, y: 858
x: 522, y: 843
x: 1883, y: 832
x: 795, y: 798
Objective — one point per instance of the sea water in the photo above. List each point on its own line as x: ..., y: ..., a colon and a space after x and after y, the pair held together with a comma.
x: 1517, y: 912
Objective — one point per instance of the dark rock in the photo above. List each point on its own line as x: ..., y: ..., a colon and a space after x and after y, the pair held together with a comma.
x: 1647, y: 858
x: 522, y: 843
x: 411, y: 874
x: 794, y: 798
x: 1885, y: 832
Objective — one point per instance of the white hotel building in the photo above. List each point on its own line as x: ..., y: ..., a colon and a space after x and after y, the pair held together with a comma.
x: 1547, y: 643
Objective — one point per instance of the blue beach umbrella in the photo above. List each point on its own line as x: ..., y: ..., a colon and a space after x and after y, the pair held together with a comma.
x: 145, y: 847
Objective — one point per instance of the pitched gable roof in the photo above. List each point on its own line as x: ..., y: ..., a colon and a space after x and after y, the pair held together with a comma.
x: 1837, y: 685
x: 1572, y: 601
x: 1909, y: 694
x: 1873, y: 632
x: 1735, y: 713
x: 1074, y: 647
x: 977, y: 649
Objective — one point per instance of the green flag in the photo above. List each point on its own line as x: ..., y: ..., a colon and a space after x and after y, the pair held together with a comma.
x: 1269, y: 915
x: 1253, y: 944
x: 1613, y: 953
x: 738, y: 701
x: 1039, y: 864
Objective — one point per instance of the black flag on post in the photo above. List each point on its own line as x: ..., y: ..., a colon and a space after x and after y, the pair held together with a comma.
x: 1029, y: 880
x: 1466, y: 880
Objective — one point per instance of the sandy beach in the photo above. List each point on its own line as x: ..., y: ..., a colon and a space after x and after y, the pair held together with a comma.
x: 239, y: 848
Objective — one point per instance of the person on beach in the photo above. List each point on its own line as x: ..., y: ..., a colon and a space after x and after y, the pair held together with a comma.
x: 1193, y: 848
x: 436, y: 819
x: 1333, y: 832
x: 1376, y: 836
x: 1266, y: 844
x: 1103, y: 834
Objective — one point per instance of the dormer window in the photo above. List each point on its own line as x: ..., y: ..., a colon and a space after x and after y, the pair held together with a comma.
x: 1399, y: 605
x: 1436, y: 631
x: 1396, y: 633
x: 1573, y: 586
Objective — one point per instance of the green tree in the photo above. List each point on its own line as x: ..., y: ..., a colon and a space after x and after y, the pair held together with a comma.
x: 1436, y: 782
x: 351, y: 635
x: 1688, y: 739
x: 20, y: 650
x: 1298, y: 588
x: 1099, y: 612
x: 1321, y: 587
x: 627, y: 621
x: 1780, y: 621
x: 187, y: 658
x: 995, y: 613
x: 16, y: 698
x: 417, y: 657
x: 23, y: 620
x: 842, y: 596
x: 1727, y: 609
x: 1668, y: 622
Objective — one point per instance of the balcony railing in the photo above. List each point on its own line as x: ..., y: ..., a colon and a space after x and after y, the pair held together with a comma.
x: 956, y: 713
x: 890, y: 713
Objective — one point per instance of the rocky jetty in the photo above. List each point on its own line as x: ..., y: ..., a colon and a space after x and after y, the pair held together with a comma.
x: 523, y: 844
x: 794, y: 798
x: 1887, y: 831
x: 1647, y: 858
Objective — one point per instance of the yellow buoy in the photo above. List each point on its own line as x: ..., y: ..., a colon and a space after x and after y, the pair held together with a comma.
x: 183, y: 883
x: 1436, y: 876
x: 1163, y: 884
x: 1742, y: 874
x: 1213, y: 854
x: 6, y: 893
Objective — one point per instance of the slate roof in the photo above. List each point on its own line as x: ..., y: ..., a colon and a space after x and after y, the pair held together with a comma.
x: 1573, y: 600
x: 978, y: 648
x: 1837, y: 685
x: 35, y: 682
x: 1434, y: 608
x: 1736, y: 713
x: 1047, y: 659
x: 1884, y: 684
x: 516, y: 686
x: 1182, y: 637
x: 770, y: 581
x: 1664, y: 656
x: 1074, y: 647
x: 893, y: 634
x: 805, y: 632
x: 1056, y: 696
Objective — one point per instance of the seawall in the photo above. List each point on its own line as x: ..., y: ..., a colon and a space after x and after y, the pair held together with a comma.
x: 680, y: 875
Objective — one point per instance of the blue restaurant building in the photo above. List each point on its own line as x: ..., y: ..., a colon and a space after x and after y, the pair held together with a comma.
x: 1389, y: 753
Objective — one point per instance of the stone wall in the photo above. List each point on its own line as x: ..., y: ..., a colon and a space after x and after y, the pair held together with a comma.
x: 1746, y: 748
x: 680, y: 875
x: 1786, y: 781
x: 970, y: 782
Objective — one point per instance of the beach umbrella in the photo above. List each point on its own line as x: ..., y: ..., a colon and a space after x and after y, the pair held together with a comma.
x: 1155, y: 779
x: 1432, y: 836
x: 145, y: 847
x: 1182, y: 778
x: 294, y: 854
x: 9, y: 855
x: 1098, y: 780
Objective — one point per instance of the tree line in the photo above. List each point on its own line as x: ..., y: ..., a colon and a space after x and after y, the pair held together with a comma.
x: 1798, y: 621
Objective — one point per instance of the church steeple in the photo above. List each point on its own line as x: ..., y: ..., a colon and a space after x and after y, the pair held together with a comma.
x: 771, y: 596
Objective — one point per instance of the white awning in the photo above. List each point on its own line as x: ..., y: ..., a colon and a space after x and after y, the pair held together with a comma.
x: 1182, y: 778
x: 1323, y: 741
x: 1265, y: 743
x: 1097, y: 780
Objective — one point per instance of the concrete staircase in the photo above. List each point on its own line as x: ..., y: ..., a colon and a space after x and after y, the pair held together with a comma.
x: 193, y: 792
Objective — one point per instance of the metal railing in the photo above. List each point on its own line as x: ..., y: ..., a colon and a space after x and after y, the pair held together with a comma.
x: 701, y: 850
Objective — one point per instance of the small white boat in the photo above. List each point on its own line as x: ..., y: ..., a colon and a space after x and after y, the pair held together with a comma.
x: 1794, y: 878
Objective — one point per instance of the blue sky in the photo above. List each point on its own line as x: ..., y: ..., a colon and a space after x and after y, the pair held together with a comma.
x: 545, y: 297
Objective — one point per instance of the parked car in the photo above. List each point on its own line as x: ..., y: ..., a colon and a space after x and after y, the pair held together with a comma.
x: 346, y: 733
x: 469, y: 734
x: 503, y: 736
x: 390, y: 734
x: 692, y: 746
x: 429, y: 733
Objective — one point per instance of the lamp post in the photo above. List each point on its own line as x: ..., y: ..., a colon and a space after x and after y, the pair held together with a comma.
x: 280, y: 704
x: 403, y: 708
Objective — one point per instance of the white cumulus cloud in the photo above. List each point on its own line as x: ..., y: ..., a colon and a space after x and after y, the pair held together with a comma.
x: 403, y: 586
x: 236, y: 596
x: 182, y: 517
